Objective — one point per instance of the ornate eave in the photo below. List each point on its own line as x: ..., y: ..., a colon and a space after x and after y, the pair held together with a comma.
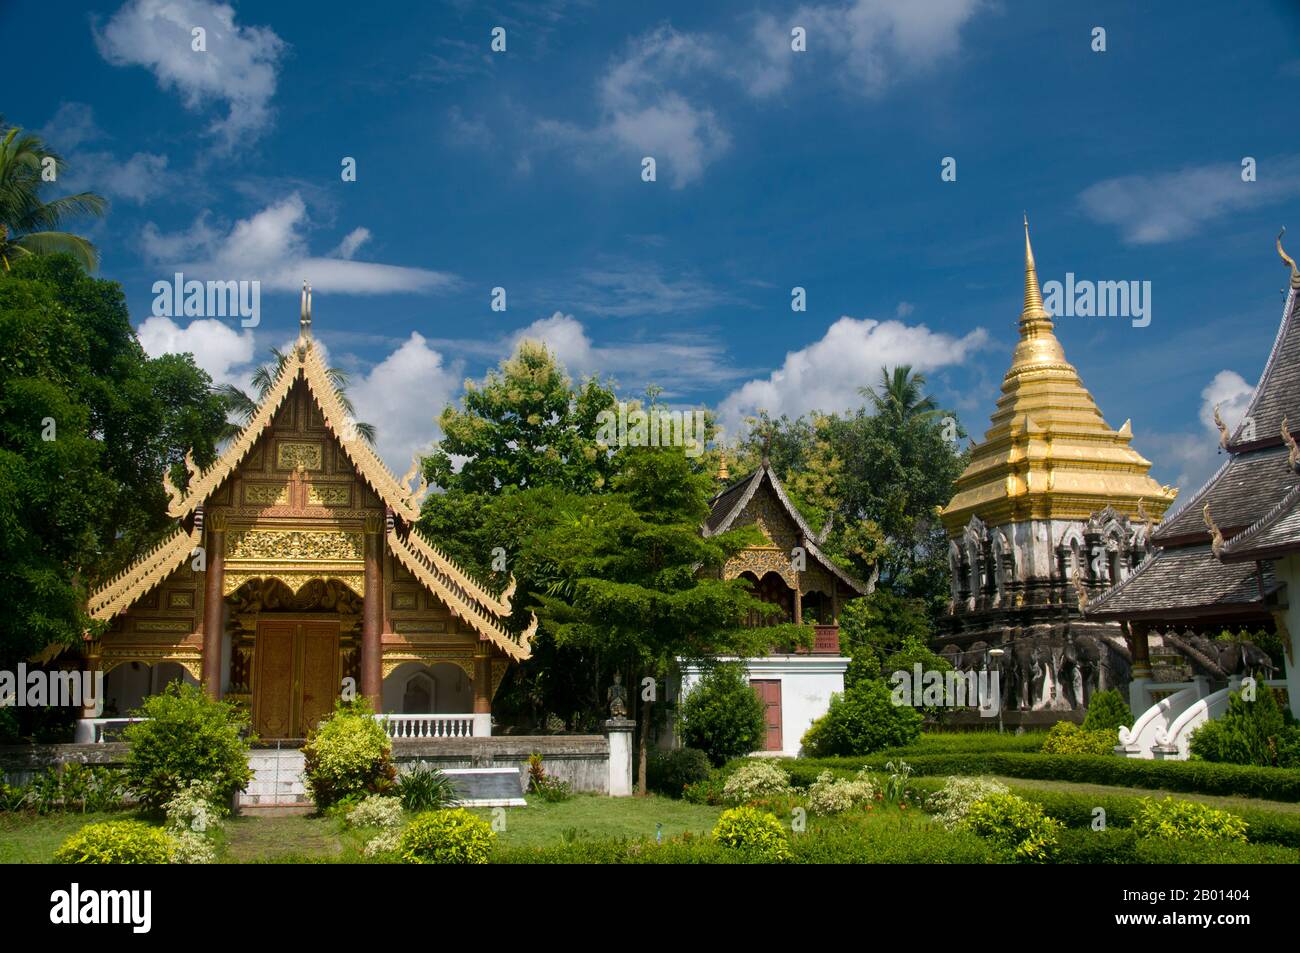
x: 731, y: 502
x: 414, y: 553
x: 118, y: 594
x: 1049, y: 453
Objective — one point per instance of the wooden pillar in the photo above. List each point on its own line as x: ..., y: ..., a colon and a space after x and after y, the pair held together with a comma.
x: 372, y: 678
x: 214, y: 601
x: 483, y: 681
x: 1141, y: 651
x: 835, y: 601
x: 798, y: 606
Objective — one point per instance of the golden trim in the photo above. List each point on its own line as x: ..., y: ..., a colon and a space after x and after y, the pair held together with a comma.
x: 117, y: 595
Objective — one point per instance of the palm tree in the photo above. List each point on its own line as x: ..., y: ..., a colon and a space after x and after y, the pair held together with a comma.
x: 28, y: 226
x: 900, y: 397
x: 242, y: 406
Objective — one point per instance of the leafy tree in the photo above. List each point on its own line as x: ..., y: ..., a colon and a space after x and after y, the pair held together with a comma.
x: 29, y: 225
x: 722, y: 715
x: 633, y: 576
x: 525, y: 426
x: 900, y: 398
x: 88, y: 422
x: 1107, y: 711
x: 861, y: 720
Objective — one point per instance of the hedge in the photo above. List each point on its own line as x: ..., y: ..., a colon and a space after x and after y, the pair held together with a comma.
x: 1197, y: 777
x: 1120, y: 846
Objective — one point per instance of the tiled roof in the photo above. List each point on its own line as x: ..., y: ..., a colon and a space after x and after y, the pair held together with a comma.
x: 1276, y: 534
x: 1185, y: 582
x: 1242, y: 492
x: 1278, y: 393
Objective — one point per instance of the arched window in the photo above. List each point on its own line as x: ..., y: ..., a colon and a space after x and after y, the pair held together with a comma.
x: 419, y: 696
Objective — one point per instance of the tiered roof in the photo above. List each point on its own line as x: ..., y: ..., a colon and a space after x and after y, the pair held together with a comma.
x: 1215, y: 553
x: 1049, y: 453
x: 464, y: 596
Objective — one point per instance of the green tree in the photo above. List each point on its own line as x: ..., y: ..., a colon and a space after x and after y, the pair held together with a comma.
x: 901, y: 396
x: 633, y: 576
x: 722, y: 715
x: 88, y: 423
x: 29, y: 225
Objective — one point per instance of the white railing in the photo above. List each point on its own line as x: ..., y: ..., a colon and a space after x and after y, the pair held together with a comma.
x: 1164, y: 731
x: 437, y: 726
x: 91, y: 730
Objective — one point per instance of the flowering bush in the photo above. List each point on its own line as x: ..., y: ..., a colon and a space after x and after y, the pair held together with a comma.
x: 1187, y: 820
x: 446, y: 837
x: 829, y: 795
x: 348, y: 756
x: 951, y: 805
x: 116, y: 842
x: 1016, y: 827
x: 755, y: 832
x: 188, y: 847
x: 194, y: 809
x: 387, y: 841
x: 376, y: 811
x: 753, y: 780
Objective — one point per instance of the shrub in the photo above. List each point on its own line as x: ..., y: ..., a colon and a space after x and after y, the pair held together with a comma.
x: 13, y: 798
x: 951, y: 805
x: 189, y: 847
x: 1017, y: 828
x: 387, y: 841
x: 446, y: 837
x: 861, y: 720
x: 548, y: 788
x: 1255, y: 732
x: 347, y: 756
x: 375, y: 811
x: 194, y: 809
x: 1068, y: 738
x: 707, y: 791
x: 187, y: 737
x: 670, y: 772
x: 755, y: 779
x: 426, y: 789
x: 1108, y: 711
x: 116, y: 842
x: 75, y: 786
x: 1187, y: 820
x: 723, y: 715
x: 831, y: 795
x: 754, y: 832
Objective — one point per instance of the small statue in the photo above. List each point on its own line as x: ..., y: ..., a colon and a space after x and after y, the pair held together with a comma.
x: 616, y: 695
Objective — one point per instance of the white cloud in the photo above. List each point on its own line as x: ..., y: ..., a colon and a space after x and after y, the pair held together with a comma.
x: 1163, y: 207
x: 1189, y: 459
x: 352, y: 241
x: 238, y: 67
x: 402, y: 396
x: 271, y: 246
x: 217, y: 347
x: 826, y: 374
x: 72, y: 125
x: 143, y: 176
x: 625, y: 288
x: 1231, y: 394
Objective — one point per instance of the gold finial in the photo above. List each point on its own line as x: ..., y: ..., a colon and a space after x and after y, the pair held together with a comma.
x: 724, y: 473
x: 1034, y: 309
x: 304, y: 320
x: 1216, y: 535
x: 1295, y: 273
x: 1223, y: 428
x: 1294, y: 456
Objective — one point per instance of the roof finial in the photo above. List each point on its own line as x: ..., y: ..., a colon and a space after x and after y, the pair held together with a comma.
x: 724, y: 472
x: 304, y: 320
x: 1295, y: 273
x: 1033, y: 296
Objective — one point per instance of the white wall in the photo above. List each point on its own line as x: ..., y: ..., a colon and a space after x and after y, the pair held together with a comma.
x: 1288, y: 571
x: 807, y: 683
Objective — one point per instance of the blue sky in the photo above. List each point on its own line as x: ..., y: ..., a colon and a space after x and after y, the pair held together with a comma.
x: 820, y: 169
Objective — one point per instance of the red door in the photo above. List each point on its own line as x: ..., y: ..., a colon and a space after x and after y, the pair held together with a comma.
x: 769, y: 693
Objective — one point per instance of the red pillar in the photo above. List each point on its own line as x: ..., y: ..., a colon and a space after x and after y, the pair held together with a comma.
x: 214, y: 602
x: 372, y: 617
x: 483, y: 682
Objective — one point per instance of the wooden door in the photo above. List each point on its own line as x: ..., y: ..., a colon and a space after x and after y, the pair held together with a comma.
x: 769, y: 693
x: 295, y: 676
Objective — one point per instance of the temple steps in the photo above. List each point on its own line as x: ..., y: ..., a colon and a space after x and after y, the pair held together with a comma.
x: 277, y: 780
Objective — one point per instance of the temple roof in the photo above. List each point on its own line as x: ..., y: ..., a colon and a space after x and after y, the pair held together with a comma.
x: 731, y: 502
x: 1049, y: 453
x: 1275, y: 535
x: 1241, y: 492
x: 463, y: 595
x: 1187, y: 582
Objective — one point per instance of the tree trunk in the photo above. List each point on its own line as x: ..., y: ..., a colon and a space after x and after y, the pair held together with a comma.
x: 641, y: 789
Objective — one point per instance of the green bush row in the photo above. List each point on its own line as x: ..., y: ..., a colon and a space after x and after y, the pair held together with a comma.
x: 1198, y: 777
x: 1123, y: 846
